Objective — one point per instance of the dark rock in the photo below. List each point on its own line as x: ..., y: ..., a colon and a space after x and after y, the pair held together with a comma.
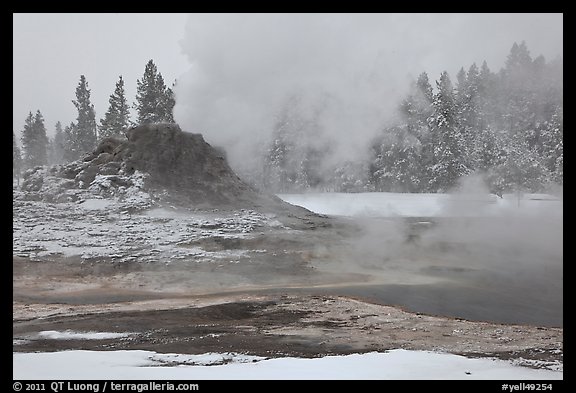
x: 184, y: 164
x: 110, y: 168
x: 87, y: 175
x: 33, y: 179
x: 173, y: 166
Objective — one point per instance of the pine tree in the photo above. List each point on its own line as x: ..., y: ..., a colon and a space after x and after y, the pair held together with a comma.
x: 487, y: 150
x: 278, y: 175
x: 58, y: 144
x: 552, y: 148
x: 71, y: 148
x: 449, y: 149
x: 350, y: 176
x: 521, y: 170
x: 518, y: 83
x: 519, y: 57
x: 28, y: 142
x: 16, y: 159
x: 117, y: 118
x: 469, y: 118
x: 40, y: 130
x: 461, y: 84
x: 154, y: 102
x: 417, y: 107
x: 34, y: 141
x: 293, y: 161
x: 86, y: 130
x: 397, y: 165
x: 489, y: 103
x: 168, y: 103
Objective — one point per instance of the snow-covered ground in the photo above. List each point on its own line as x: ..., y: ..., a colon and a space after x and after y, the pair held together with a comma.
x: 396, y: 364
x: 99, y: 227
x: 389, y: 204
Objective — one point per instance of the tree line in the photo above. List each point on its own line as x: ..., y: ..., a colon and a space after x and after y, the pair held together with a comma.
x: 154, y: 104
x: 506, y: 126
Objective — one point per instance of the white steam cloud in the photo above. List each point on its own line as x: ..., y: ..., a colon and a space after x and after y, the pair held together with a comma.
x: 245, y: 67
x: 356, y: 67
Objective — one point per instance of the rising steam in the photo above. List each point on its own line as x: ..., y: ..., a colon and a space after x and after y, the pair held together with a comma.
x: 348, y: 70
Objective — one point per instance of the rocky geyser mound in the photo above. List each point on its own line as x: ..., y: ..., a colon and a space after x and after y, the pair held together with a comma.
x: 156, y: 162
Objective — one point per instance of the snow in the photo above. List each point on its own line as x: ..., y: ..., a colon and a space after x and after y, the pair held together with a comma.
x: 395, y: 364
x: 72, y: 335
x: 369, y: 204
x: 96, y: 227
x: 389, y: 204
x: 96, y: 204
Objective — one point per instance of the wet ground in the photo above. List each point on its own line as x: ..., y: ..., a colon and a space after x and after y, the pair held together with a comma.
x: 320, y: 286
x: 282, y: 325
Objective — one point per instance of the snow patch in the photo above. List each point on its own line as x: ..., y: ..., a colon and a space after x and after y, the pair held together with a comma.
x: 395, y: 364
x: 207, y: 359
x: 73, y: 335
x: 390, y: 204
x: 95, y: 204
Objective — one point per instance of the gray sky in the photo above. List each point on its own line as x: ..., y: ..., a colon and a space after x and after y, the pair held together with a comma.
x: 51, y: 51
x: 234, y: 61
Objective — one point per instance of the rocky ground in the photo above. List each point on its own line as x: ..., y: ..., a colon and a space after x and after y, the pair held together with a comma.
x: 273, y: 325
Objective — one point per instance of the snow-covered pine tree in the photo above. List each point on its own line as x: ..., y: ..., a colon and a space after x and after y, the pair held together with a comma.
x: 154, y: 102
x: 449, y: 149
x: 400, y: 152
x: 86, y: 130
x: 350, y: 176
x: 397, y: 165
x: 275, y: 176
x: 278, y: 172
x: 521, y: 170
x: 417, y: 107
x: 469, y: 117
x: 552, y: 147
x: 294, y: 159
x: 16, y: 159
x: 117, y: 117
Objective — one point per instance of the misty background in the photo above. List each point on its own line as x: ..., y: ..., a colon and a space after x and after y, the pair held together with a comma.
x: 106, y: 45
x: 244, y: 67
x: 325, y: 102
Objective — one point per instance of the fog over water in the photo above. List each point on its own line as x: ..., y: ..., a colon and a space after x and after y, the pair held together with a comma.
x: 477, y: 257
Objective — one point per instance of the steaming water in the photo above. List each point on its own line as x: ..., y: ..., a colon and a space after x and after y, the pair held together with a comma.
x: 521, y: 303
x: 504, y: 266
